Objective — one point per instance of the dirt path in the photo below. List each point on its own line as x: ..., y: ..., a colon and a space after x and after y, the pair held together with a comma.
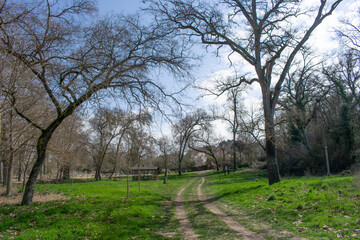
x: 245, y: 233
x: 185, y: 224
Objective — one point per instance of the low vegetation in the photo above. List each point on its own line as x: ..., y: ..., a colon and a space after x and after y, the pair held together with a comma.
x: 312, y: 207
x: 309, y: 207
x: 96, y: 210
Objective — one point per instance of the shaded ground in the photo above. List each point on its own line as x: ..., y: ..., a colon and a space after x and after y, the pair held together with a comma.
x: 16, y: 198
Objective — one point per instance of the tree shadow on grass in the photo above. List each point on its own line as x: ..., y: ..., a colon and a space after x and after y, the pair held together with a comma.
x: 86, y: 218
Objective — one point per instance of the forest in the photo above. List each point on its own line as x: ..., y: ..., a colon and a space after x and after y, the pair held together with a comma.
x: 82, y: 94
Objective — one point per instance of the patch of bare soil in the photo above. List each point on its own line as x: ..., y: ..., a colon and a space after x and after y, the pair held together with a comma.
x: 245, y: 233
x: 15, y: 199
x: 185, y: 224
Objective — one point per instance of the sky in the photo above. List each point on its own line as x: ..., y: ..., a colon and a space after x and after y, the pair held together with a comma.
x: 323, y: 40
x: 118, y: 6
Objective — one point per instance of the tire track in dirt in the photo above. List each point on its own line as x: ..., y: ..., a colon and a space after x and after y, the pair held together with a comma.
x: 245, y: 233
x: 185, y: 224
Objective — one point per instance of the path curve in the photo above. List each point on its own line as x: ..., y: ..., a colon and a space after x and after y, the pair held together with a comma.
x: 185, y: 224
x: 244, y: 232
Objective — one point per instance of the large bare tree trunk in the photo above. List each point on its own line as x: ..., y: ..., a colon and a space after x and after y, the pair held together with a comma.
x: 41, y: 155
x: 41, y: 147
x: 270, y: 148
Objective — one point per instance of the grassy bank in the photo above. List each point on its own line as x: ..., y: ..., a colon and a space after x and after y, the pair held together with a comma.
x: 315, y: 208
x: 97, y: 210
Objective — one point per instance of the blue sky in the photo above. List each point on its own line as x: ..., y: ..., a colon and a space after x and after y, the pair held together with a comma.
x: 117, y: 6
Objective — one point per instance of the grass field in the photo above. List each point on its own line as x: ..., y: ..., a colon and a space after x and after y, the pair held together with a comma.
x: 96, y: 210
x: 312, y: 207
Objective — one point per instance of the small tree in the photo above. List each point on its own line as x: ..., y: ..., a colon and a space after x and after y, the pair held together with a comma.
x: 164, y: 144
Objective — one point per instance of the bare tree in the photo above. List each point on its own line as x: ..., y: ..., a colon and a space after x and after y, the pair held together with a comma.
x: 204, y: 141
x: 16, y: 132
x: 350, y: 34
x: 184, y: 130
x: 304, y: 89
x: 164, y: 145
x: 105, y: 126
x: 232, y: 114
x: 66, y: 146
x: 141, y: 145
x: 70, y: 62
x: 345, y: 77
x: 261, y: 32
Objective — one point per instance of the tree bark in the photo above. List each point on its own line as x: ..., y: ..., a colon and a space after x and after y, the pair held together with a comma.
x: 26, y: 166
x: 11, y: 156
x: 234, y: 149
x: 217, y: 165
x: 5, y: 172
x: 325, y: 150
x: 65, y: 172
x: 98, y: 173
x: 127, y: 177
x: 9, y: 174
x: 112, y: 172
x: 3, y: 158
x: 166, y: 169
x: 138, y: 165
x: 41, y: 147
x: 19, y: 172
x: 1, y: 147
x: 270, y: 148
x: 235, y: 127
x: 179, y: 167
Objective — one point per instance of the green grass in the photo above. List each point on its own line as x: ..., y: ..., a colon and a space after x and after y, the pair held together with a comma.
x: 205, y: 223
x: 97, y: 210
x: 315, y: 208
